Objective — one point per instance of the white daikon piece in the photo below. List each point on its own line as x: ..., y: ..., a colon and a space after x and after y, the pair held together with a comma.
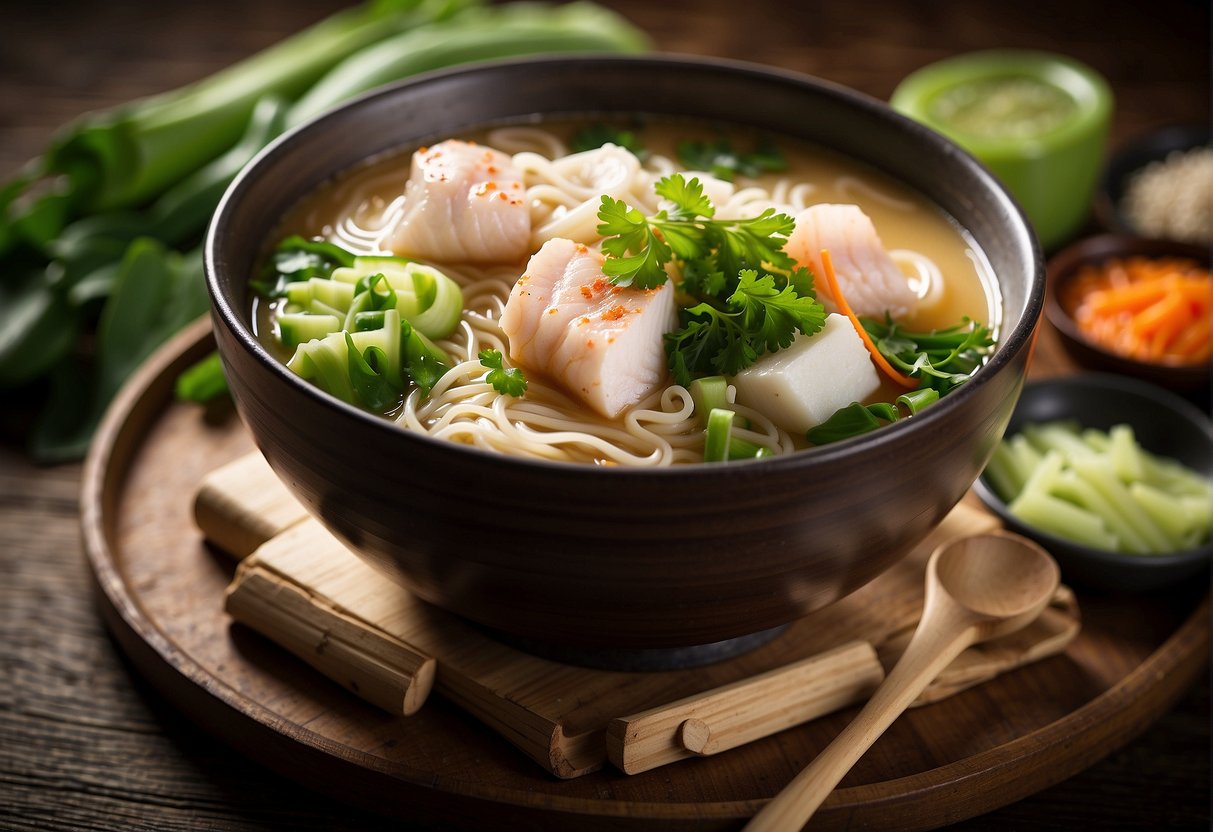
x: 801, y: 386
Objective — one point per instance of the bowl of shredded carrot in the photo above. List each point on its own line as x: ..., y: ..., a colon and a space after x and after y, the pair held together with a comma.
x: 1136, y: 306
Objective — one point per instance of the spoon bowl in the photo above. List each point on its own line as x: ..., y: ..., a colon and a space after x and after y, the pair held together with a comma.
x: 977, y: 588
x: 999, y: 576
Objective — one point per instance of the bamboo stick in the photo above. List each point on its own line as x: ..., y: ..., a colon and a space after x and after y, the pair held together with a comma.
x: 382, y: 670
x: 242, y: 504
x: 732, y: 715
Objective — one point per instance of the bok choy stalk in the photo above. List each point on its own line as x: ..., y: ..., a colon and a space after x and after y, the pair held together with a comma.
x: 476, y: 35
x: 127, y: 155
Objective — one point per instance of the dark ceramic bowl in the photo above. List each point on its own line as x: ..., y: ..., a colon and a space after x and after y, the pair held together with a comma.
x: 1189, y: 379
x: 1163, y: 423
x: 593, y: 557
x: 1133, y: 157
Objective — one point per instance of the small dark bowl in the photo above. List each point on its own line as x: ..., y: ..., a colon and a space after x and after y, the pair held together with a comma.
x: 1189, y: 379
x: 1164, y: 424
x: 623, y: 558
x: 1133, y: 157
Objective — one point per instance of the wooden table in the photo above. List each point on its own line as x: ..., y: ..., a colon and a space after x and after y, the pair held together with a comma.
x: 85, y: 744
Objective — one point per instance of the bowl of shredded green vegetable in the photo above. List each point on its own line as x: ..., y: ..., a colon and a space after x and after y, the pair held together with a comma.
x: 1113, y: 475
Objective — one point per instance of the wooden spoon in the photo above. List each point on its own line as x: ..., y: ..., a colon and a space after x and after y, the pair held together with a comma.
x: 977, y: 588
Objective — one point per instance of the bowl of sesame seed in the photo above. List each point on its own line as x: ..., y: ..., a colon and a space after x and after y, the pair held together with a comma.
x: 1161, y: 186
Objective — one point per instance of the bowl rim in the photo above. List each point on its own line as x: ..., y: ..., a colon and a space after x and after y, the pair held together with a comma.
x: 1010, y: 344
x: 1064, y: 264
x: 1104, y: 383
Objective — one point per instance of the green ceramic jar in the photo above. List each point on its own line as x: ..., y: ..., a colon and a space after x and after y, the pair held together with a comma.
x: 1039, y: 121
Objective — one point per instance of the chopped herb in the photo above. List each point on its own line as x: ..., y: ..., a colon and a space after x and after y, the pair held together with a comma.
x: 916, y: 400
x: 596, y: 135
x: 508, y: 382
x: 723, y: 161
x: 941, y: 359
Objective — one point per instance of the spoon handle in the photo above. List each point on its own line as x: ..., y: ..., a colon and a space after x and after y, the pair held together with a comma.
x: 929, y: 652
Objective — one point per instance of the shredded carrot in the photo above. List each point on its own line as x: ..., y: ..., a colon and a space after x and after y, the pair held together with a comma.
x: 1147, y: 309
x: 835, y: 292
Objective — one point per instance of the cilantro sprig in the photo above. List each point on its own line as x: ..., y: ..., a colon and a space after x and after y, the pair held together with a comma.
x: 511, y: 382
x: 746, y: 295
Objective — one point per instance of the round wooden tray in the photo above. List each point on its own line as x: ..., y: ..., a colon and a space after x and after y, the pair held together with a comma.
x: 162, y: 592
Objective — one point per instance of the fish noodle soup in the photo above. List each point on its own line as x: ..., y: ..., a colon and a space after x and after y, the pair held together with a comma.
x: 508, y: 290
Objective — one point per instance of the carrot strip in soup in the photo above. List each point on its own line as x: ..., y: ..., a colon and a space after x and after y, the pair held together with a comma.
x: 835, y: 292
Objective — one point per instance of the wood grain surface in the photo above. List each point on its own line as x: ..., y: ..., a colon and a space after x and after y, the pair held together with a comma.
x: 86, y: 744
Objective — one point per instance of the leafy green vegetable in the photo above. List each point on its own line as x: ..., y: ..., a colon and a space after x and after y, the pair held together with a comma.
x: 853, y: 420
x: 202, y: 382
x: 598, y: 134
x: 422, y: 360
x: 477, y: 34
x: 126, y: 156
x: 157, y: 291
x: 941, y: 359
x: 297, y: 259
x: 723, y: 161
x: 155, y: 168
x: 368, y: 377
x: 508, y: 382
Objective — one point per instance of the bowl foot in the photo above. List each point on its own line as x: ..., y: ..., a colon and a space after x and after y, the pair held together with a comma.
x: 642, y: 659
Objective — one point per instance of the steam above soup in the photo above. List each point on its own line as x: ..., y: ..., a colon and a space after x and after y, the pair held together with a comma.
x: 671, y: 295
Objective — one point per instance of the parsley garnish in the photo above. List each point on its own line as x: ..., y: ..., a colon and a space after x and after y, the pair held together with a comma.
x: 639, y: 247
x: 511, y: 382
x: 759, y: 317
x: 723, y: 161
x: 746, y: 294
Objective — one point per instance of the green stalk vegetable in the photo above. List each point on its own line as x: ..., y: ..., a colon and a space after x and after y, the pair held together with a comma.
x: 127, y: 155
x: 117, y: 187
x: 476, y: 35
x: 1100, y: 488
